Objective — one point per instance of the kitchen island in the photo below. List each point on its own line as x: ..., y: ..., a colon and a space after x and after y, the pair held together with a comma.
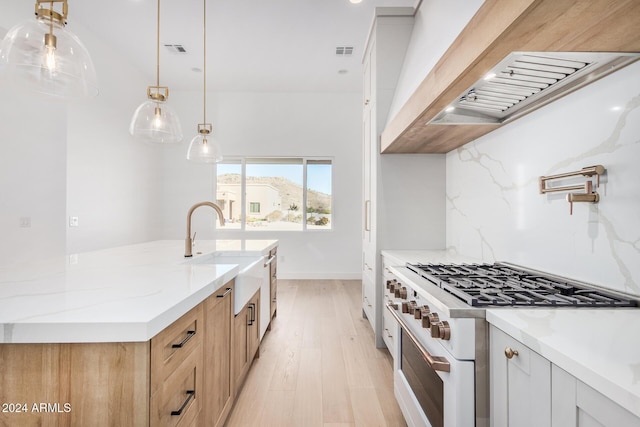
x: 134, y: 335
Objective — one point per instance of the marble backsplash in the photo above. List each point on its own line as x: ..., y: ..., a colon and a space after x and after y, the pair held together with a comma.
x: 495, y: 211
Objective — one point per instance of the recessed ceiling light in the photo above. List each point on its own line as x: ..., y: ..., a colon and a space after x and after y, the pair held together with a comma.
x: 196, y: 70
x: 355, y: 1
x: 343, y: 71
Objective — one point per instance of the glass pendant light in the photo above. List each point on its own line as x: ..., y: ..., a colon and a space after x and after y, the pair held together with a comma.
x: 44, y: 56
x: 155, y: 121
x: 203, y: 147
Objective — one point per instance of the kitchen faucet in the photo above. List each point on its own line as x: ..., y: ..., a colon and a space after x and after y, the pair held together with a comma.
x: 188, y: 242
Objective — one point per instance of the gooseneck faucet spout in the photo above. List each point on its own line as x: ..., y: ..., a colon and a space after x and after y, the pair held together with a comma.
x: 188, y: 242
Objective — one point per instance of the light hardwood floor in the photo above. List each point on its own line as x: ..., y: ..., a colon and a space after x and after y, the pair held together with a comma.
x: 318, y: 365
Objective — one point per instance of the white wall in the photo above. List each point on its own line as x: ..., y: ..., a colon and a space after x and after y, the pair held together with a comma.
x: 32, y: 167
x: 437, y: 24
x: 112, y: 179
x: 275, y: 124
x: 494, y: 210
x: 32, y: 177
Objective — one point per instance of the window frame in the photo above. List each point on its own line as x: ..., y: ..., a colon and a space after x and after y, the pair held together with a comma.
x: 242, y: 161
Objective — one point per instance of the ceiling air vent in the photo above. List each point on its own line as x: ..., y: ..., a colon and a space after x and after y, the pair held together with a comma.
x: 175, y: 48
x: 524, y: 81
x: 344, y: 50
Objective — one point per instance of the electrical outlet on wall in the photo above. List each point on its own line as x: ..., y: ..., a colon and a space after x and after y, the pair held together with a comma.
x: 73, y: 221
x: 281, y: 258
x: 25, y: 222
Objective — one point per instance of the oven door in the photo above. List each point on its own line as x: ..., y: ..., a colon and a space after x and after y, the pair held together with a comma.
x: 432, y: 388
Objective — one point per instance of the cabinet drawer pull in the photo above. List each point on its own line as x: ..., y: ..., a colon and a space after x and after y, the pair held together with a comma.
x: 252, y: 317
x: 509, y: 352
x: 190, y: 395
x: 190, y: 335
x: 270, y: 260
x: 225, y: 293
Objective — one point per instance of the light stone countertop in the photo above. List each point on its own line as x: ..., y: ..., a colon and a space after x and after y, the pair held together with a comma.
x: 413, y: 256
x: 122, y: 294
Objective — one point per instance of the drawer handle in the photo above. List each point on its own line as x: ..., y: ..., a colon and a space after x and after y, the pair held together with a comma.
x: 225, y: 293
x: 190, y: 335
x: 252, y: 317
x: 509, y: 352
x: 270, y: 260
x: 190, y: 395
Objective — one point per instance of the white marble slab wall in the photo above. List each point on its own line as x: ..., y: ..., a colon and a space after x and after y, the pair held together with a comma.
x: 495, y: 211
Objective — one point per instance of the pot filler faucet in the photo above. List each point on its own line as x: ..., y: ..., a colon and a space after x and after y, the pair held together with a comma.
x: 188, y: 242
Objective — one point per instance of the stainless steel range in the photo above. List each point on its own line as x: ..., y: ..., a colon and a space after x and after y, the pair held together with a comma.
x: 441, y: 361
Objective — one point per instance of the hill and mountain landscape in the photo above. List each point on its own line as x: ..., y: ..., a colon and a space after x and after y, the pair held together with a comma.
x: 290, y: 192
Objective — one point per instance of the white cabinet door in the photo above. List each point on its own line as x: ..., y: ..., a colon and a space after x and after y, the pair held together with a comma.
x: 520, y: 386
x: 577, y: 404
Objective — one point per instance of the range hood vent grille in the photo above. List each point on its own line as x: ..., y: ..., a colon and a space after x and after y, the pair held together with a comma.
x: 524, y: 81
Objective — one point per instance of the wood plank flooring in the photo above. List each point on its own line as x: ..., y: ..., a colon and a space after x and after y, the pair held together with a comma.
x: 318, y: 365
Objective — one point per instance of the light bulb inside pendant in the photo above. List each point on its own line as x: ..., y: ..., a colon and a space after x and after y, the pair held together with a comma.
x: 50, y: 60
x: 157, y: 118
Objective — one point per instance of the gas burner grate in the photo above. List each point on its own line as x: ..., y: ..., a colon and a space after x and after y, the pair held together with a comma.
x: 499, y: 285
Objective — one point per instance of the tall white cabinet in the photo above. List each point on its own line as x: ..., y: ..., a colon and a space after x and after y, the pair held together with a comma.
x: 403, y: 195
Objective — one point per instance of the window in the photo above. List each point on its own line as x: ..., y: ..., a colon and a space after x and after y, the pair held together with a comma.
x: 269, y: 193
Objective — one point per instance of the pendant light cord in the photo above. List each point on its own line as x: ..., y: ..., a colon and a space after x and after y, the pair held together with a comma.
x: 204, y: 7
x: 158, y: 47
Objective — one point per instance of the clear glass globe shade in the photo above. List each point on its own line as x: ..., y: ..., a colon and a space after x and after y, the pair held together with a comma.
x: 156, y: 122
x: 64, y: 71
x: 204, y: 149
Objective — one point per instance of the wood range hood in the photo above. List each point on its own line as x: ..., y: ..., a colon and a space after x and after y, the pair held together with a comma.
x: 499, y: 28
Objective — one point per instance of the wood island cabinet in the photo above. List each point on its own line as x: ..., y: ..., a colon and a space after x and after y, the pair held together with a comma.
x: 218, y: 338
x: 247, y: 339
x: 181, y: 377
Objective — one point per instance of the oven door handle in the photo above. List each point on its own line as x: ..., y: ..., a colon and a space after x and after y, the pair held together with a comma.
x: 435, y: 362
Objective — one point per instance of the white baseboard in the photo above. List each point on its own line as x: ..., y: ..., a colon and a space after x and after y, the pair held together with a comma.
x: 319, y: 276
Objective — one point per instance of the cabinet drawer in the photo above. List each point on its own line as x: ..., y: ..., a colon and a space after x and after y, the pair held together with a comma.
x: 389, y: 326
x: 177, y: 401
x: 173, y: 344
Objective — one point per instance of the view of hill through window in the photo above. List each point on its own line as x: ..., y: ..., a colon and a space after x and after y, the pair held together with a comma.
x: 275, y: 194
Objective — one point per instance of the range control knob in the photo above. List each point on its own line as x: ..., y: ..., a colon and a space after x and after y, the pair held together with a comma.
x: 409, y: 307
x: 429, y: 320
x: 405, y: 307
x: 413, y: 306
x: 401, y: 292
x: 391, y: 284
x: 445, y: 330
x: 441, y: 330
x: 422, y: 312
